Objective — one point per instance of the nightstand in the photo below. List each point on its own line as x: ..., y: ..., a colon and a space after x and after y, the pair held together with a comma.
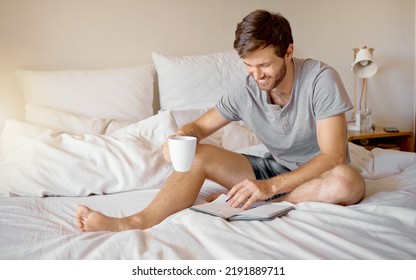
x: 402, y: 141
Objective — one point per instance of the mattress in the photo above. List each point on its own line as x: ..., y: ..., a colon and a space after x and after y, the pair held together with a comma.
x: 381, y: 226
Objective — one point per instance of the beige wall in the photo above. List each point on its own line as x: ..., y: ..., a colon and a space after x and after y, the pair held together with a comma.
x: 63, y: 34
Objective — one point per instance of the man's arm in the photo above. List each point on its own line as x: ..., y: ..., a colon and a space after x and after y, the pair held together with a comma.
x: 331, y: 135
x: 204, y: 126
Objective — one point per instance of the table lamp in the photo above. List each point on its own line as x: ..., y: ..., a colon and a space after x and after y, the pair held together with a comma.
x: 363, y: 68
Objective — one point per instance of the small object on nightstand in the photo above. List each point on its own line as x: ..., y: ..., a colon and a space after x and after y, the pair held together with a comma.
x: 390, y: 129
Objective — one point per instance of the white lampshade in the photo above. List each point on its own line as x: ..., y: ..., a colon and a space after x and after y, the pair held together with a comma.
x: 364, y: 66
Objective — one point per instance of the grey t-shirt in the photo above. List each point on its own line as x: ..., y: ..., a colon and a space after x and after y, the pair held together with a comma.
x: 289, y: 133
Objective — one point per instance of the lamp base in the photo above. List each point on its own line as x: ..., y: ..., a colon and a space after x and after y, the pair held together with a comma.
x: 355, y: 125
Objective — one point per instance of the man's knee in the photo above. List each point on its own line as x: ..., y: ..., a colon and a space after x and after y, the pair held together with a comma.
x: 347, y: 184
x: 206, y: 156
x: 203, y: 153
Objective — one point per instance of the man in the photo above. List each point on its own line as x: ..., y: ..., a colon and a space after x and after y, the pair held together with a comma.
x: 296, y: 107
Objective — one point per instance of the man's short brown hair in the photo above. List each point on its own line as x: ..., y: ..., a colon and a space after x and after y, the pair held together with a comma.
x: 261, y: 29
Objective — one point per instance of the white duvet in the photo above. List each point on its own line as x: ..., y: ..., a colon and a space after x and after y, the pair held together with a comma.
x: 37, y: 161
x: 382, y: 226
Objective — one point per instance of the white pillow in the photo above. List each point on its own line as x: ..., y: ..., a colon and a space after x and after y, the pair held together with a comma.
x: 379, y: 163
x: 36, y: 161
x: 183, y: 117
x: 237, y: 135
x: 233, y: 137
x: 362, y: 159
x: 194, y: 82
x: 69, y: 122
x: 124, y: 94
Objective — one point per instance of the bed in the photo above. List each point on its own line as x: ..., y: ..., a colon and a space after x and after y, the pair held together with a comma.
x: 92, y: 137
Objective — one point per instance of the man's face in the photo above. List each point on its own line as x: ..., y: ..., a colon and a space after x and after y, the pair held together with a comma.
x: 266, y: 68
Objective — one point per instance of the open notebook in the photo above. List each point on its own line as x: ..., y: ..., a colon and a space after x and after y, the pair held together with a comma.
x: 260, y: 211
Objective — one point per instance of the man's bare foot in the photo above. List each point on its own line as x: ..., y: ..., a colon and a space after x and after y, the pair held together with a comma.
x: 90, y: 220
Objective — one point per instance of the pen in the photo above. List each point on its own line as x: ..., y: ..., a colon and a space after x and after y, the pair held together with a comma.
x: 275, y: 196
x: 272, y: 198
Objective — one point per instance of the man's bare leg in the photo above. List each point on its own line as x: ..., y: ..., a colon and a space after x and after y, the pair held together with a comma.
x: 341, y: 185
x: 179, y: 191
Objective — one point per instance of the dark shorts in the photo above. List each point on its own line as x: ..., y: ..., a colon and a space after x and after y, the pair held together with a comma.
x: 267, y: 167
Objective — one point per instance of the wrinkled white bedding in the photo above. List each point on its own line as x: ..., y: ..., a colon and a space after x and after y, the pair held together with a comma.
x: 382, y: 226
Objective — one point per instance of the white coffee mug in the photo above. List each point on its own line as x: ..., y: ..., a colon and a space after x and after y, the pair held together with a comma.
x: 182, y: 152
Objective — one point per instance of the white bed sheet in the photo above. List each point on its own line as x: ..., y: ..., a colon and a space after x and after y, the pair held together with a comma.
x: 382, y: 226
